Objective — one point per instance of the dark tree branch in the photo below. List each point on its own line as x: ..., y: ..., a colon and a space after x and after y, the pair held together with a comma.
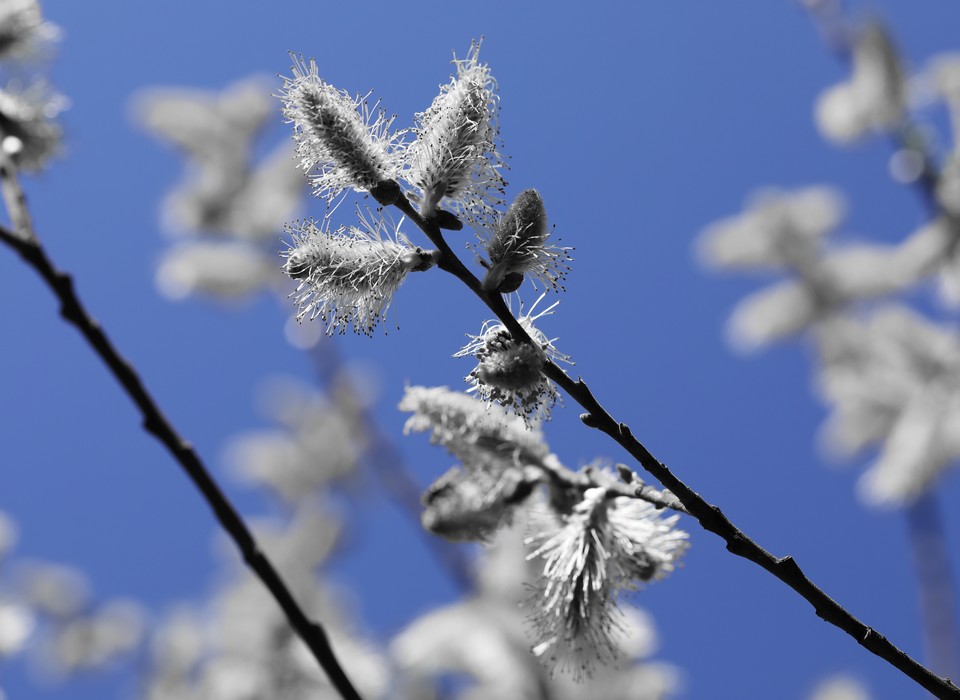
x: 710, y: 517
x: 154, y: 422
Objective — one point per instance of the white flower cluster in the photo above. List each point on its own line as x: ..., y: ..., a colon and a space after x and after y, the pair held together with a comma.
x: 590, y: 542
x: 605, y: 545
x: 597, y: 543
x: 227, y: 211
x: 453, y: 161
x: 455, y: 158
x: 28, y: 133
x: 510, y: 372
x: 888, y: 376
x: 349, y: 276
x: 47, y: 612
x: 892, y: 380
x: 873, y: 98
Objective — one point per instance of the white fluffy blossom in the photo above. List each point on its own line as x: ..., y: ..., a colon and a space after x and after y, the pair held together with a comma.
x: 455, y: 156
x: 603, y: 546
x: 509, y: 372
x: 340, y: 142
x: 349, y: 276
x: 872, y: 99
x: 786, y: 230
x: 518, y: 245
x: 777, y: 229
x: 223, y: 270
x: 27, y: 128
x: 891, y: 381
x: 476, y: 432
x: 23, y: 32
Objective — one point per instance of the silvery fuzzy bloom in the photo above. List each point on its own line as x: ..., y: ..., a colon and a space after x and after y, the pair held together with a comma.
x: 17, y: 624
x: 23, y: 32
x: 479, y: 434
x: 471, y: 504
x: 509, y: 372
x: 340, y: 143
x: 29, y: 134
x: 455, y: 154
x: 518, y: 246
x: 603, y: 546
x: 222, y: 191
x: 873, y: 98
x: 502, y: 461
x: 891, y: 380
x: 223, y: 270
x: 785, y: 230
x: 835, y: 280
x: 95, y: 639
x: 349, y: 276
x: 314, y: 444
x: 777, y: 229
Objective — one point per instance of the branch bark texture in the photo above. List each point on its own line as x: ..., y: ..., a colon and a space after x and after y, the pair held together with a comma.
x: 156, y: 423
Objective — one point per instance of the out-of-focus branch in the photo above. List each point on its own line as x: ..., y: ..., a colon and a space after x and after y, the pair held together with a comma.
x: 382, y: 455
x: 73, y: 311
x: 938, y: 606
x: 710, y: 517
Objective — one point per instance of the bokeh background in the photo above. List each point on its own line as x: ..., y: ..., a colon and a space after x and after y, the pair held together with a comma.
x: 640, y: 124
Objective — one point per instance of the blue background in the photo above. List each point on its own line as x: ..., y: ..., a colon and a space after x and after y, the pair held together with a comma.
x: 639, y: 123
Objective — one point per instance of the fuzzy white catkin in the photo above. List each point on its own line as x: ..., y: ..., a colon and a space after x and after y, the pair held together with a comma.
x: 341, y: 143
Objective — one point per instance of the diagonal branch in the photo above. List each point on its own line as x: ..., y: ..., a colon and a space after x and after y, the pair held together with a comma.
x: 154, y: 422
x: 710, y: 517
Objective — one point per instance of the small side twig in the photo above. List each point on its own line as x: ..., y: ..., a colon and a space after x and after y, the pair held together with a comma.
x: 710, y: 517
x: 73, y: 311
x: 14, y: 199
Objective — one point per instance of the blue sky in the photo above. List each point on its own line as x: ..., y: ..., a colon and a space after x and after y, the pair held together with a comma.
x: 640, y: 124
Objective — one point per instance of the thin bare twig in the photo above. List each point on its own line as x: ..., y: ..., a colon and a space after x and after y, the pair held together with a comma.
x: 14, y: 199
x: 710, y: 517
x: 73, y: 311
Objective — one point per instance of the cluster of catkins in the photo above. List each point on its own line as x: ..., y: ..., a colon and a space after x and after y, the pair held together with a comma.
x: 28, y: 133
x: 887, y: 372
x: 588, y: 539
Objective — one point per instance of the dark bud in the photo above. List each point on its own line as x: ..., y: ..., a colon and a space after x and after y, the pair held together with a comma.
x: 589, y: 420
x: 520, y: 491
x: 387, y: 192
x: 511, y: 282
x: 445, y: 219
x: 420, y: 260
x: 626, y: 473
x: 498, y: 279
